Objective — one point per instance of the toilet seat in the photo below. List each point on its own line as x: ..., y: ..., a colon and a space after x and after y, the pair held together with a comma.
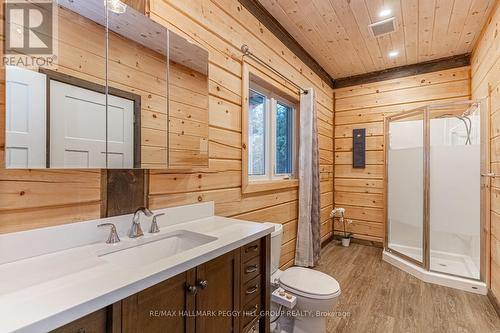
x: 309, y: 283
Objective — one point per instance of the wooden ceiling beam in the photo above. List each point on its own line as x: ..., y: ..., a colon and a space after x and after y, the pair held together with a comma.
x: 404, y: 71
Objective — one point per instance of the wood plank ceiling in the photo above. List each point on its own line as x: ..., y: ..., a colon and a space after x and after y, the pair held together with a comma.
x: 336, y: 33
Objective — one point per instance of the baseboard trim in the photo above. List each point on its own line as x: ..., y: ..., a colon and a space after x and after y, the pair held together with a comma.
x: 356, y: 241
x: 494, y: 301
x: 326, y: 241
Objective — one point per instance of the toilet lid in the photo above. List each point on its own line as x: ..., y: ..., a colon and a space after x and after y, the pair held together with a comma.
x: 309, y: 283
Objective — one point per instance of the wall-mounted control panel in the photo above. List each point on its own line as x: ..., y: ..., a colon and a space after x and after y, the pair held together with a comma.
x: 359, y: 148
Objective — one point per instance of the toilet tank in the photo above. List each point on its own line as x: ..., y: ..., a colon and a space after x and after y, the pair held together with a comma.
x: 275, y: 246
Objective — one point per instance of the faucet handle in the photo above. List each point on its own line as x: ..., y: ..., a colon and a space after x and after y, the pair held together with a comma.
x: 145, y: 210
x: 113, y: 235
x: 154, y: 224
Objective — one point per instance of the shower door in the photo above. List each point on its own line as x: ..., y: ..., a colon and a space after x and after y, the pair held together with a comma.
x: 435, y: 200
x: 455, y: 189
x: 405, y: 141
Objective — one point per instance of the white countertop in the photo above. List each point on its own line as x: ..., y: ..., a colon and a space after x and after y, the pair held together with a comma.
x: 43, y: 292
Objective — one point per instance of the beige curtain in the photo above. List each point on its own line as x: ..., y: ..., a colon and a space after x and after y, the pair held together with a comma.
x: 308, y: 248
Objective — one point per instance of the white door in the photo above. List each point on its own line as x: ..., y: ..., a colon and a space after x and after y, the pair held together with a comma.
x: 25, y: 140
x: 78, y: 129
x: 120, y: 133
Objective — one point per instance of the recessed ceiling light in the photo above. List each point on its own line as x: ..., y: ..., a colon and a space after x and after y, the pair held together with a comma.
x: 385, y: 12
x: 393, y: 54
x: 116, y: 6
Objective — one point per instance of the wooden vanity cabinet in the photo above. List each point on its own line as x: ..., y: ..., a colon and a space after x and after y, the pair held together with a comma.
x: 224, y: 295
x: 162, y: 305
x: 218, y: 283
x: 193, y: 301
x: 96, y: 322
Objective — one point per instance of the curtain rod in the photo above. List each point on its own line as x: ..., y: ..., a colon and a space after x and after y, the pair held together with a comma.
x: 246, y: 52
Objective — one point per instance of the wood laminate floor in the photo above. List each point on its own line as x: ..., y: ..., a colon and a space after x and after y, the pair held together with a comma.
x: 378, y: 297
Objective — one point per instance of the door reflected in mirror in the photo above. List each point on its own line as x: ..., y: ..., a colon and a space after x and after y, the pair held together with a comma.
x: 138, y: 101
x: 57, y: 124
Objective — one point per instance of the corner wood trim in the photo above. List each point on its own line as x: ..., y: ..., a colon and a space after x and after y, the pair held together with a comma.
x: 261, y: 13
x: 494, y: 301
x: 404, y: 71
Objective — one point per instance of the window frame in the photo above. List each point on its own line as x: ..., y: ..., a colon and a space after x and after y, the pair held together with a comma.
x: 294, y: 134
x: 267, y: 125
x: 274, y: 93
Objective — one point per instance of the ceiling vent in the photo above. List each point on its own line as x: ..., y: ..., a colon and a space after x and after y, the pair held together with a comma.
x: 383, y: 28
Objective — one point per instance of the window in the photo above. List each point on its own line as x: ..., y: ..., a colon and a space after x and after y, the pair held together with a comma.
x: 284, y: 139
x: 271, y: 135
x: 257, y: 134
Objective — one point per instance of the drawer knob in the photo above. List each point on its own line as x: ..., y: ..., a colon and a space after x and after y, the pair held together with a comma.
x: 252, y: 290
x: 252, y: 248
x: 191, y: 289
x: 82, y: 330
x: 251, y: 269
x: 203, y: 284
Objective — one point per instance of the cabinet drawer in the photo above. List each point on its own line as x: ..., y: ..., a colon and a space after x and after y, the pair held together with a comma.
x: 253, y: 327
x: 92, y: 323
x: 250, y: 290
x: 250, y: 251
x: 251, y: 269
x: 251, y: 311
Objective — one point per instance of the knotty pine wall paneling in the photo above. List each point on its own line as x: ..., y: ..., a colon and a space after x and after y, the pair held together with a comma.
x: 361, y: 191
x: 222, y: 26
x: 30, y: 199
x: 486, y: 83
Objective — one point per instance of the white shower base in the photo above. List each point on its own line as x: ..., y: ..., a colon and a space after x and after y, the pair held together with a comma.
x: 445, y: 262
x: 450, y: 281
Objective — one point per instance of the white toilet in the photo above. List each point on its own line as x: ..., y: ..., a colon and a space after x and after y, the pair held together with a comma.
x: 316, y: 292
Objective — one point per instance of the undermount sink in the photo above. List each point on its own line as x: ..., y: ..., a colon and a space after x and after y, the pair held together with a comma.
x: 148, y: 250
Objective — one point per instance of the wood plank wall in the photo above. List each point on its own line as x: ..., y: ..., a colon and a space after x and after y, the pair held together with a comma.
x: 361, y: 191
x: 30, y: 199
x: 222, y: 26
x: 486, y: 82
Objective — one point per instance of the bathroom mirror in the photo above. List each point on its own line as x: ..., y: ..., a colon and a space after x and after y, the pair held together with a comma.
x: 55, y: 102
x: 157, y: 95
x: 127, y: 93
x: 138, y: 90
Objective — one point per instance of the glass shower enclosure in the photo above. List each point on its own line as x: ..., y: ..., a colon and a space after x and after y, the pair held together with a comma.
x: 435, y: 196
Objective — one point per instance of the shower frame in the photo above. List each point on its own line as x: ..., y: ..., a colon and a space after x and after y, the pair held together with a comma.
x: 485, y: 184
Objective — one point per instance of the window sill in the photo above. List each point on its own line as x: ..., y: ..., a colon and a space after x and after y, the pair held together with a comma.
x: 269, y: 185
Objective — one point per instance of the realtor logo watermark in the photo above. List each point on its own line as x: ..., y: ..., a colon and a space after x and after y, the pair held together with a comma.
x: 30, y: 33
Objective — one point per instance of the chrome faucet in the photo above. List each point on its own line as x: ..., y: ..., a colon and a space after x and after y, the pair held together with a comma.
x: 136, y: 230
x: 113, y: 235
x: 154, y: 224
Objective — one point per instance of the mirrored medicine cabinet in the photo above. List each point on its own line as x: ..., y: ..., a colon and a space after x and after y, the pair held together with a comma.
x: 119, y: 91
